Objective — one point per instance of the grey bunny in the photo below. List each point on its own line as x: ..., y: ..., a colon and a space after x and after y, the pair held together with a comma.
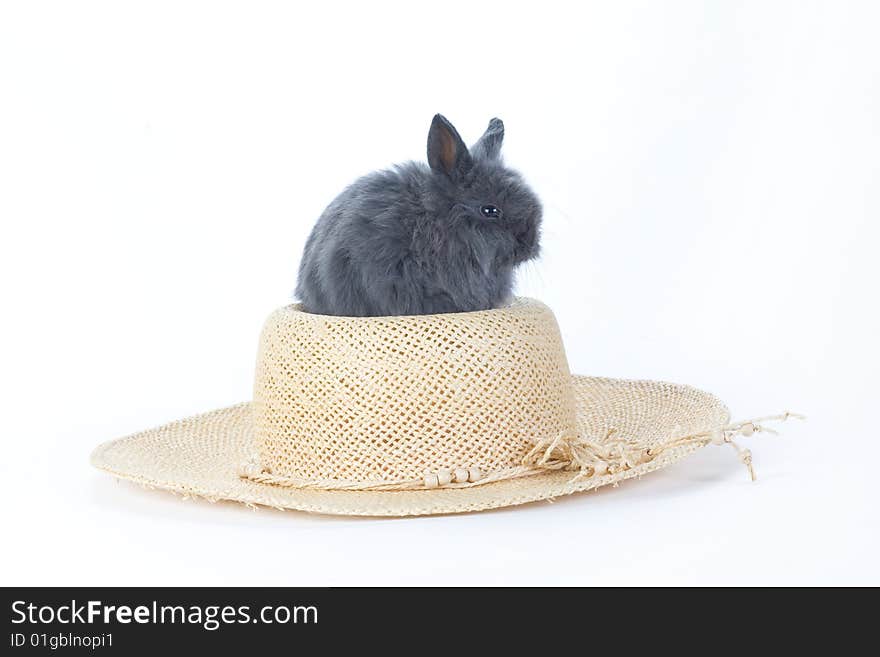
x: 418, y: 239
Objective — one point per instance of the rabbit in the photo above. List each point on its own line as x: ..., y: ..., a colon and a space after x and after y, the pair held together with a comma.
x: 417, y: 240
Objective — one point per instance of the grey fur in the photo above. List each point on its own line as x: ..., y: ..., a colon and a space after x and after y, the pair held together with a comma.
x: 411, y: 240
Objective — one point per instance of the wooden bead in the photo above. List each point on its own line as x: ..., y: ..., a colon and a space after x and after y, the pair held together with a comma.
x: 600, y: 468
x: 474, y: 474
x: 444, y: 477
x: 747, y: 429
x: 717, y: 437
x: 460, y: 476
x: 432, y: 481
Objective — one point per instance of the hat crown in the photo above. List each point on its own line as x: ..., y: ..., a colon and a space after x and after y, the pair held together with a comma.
x: 366, y: 400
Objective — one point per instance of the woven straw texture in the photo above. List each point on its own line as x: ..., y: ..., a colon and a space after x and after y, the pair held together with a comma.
x: 200, y: 456
x: 343, y: 405
x: 359, y: 402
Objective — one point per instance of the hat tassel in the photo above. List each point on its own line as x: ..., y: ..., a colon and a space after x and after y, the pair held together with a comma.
x: 588, y: 458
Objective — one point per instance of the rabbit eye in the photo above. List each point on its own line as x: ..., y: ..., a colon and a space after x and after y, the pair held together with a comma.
x: 490, y: 211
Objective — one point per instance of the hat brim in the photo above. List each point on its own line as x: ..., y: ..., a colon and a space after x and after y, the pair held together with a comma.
x: 202, y: 455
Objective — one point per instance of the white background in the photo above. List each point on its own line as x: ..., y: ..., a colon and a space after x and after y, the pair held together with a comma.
x: 709, y: 171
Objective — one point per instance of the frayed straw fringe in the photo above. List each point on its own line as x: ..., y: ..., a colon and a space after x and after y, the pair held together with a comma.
x: 586, y: 458
x: 198, y: 497
x: 589, y: 458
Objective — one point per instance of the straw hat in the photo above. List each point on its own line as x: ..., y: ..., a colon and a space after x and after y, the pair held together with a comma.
x: 415, y: 415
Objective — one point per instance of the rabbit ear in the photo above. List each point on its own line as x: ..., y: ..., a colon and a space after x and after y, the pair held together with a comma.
x: 447, y: 153
x: 489, y: 145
